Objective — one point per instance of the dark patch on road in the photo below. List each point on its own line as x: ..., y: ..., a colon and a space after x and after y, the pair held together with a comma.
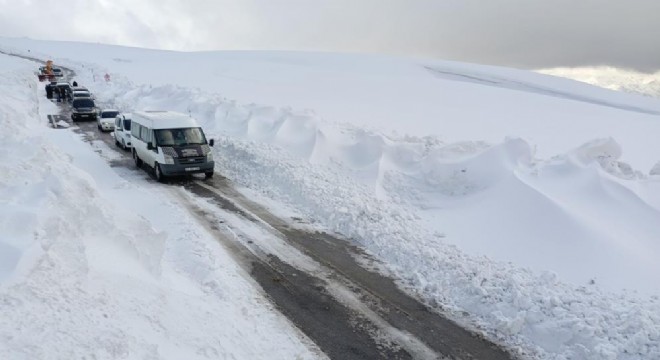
x: 338, y: 331
x: 377, y: 291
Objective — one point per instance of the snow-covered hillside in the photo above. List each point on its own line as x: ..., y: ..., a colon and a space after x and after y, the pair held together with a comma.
x: 612, y: 78
x: 88, y: 269
x: 528, y: 202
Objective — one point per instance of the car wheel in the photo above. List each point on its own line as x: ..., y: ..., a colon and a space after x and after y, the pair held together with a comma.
x: 99, y: 126
x: 138, y: 161
x: 117, y: 144
x: 208, y: 174
x: 159, y: 174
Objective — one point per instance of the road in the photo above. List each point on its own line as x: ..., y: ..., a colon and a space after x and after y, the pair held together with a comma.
x: 319, y: 281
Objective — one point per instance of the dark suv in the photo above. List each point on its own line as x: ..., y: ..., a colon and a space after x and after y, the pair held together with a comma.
x: 83, y: 109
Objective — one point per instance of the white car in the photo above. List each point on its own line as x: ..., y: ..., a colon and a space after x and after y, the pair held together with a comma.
x: 106, y: 119
x: 122, y: 132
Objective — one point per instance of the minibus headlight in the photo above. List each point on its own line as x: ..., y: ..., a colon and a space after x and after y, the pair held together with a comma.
x: 168, y: 159
x: 209, y: 156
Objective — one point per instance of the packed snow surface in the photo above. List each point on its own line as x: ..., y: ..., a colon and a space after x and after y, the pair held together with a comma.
x: 612, y: 78
x: 98, y: 265
x: 524, y: 205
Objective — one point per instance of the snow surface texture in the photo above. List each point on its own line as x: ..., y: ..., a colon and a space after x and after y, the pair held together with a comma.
x: 535, y: 249
x: 612, y: 78
x: 93, y: 265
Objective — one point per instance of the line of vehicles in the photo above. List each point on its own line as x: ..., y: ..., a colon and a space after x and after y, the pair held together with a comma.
x: 168, y: 142
x: 80, y: 98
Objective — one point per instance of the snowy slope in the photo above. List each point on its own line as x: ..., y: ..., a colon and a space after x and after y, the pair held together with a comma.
x: 612, y: 78
x: 527, y: 201
x: 88, y: 269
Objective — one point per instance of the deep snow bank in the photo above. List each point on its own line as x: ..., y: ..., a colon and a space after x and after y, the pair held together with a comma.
x: 394, y: 96
x: 430, y: 208
x: 385, y: 193
x: 612, y: 78
x: 94, y: 265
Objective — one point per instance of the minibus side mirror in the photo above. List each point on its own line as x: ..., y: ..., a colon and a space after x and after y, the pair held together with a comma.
x: 150, y: 146
x: 211, y: 142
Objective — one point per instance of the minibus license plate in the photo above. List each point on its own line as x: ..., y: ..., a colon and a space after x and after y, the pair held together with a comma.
x: 192, y: 169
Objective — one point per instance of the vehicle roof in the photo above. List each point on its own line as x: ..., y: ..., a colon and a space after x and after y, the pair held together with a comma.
x: 108, y: 110
x: 162, y: 119
x: 126, y: 116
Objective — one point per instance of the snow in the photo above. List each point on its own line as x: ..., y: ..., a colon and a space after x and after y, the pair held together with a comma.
x: 524, y: 205
x: 100, y: 264
x: 612, y: 78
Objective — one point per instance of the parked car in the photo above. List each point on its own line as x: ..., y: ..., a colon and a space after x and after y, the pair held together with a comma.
x: 81, y: 94
x: 122, y: 133
x: 58, y: 72
x: 83, y: 109
x: 106, y: 119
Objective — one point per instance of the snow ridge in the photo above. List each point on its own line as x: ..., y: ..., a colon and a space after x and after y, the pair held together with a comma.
x: 297, y: 158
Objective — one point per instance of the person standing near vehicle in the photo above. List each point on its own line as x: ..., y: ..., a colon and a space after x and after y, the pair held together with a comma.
x: 74, y: 84
x: 49, y: 91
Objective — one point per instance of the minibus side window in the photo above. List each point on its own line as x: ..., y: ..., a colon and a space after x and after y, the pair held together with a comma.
x: 144, y: 133
x: 135, y: 131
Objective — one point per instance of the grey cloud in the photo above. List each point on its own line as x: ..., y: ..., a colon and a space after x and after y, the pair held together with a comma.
x: 519, y: 33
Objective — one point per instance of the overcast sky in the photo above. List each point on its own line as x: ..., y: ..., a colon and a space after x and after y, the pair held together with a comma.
x: 517, y: 33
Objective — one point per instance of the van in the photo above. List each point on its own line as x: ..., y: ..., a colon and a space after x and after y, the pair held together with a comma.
x: 122, y: 133
x: 171, y: 143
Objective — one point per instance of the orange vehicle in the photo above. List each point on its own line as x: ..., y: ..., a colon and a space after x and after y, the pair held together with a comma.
x: 46, y: 72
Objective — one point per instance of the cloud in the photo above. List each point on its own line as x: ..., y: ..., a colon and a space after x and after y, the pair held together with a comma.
x: 519, y: 33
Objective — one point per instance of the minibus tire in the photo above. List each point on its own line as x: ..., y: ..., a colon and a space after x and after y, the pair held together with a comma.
x: 138, y: 161
x: 158, y: 173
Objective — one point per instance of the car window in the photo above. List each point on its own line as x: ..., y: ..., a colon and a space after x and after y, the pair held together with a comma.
x: 109, y: 114
x: 83, y: 103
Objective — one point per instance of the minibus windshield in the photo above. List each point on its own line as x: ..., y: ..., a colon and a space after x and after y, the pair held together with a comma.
x: 180, y: 137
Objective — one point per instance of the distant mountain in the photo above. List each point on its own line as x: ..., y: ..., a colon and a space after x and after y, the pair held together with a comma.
x: 612, y: 78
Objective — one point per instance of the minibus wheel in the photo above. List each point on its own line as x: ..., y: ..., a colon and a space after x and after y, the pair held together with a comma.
x: 159, y: 174
x: 138, y: 161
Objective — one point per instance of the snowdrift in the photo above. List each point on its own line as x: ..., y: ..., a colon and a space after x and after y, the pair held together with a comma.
x: 527, y: 202
x: 88, y: 269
